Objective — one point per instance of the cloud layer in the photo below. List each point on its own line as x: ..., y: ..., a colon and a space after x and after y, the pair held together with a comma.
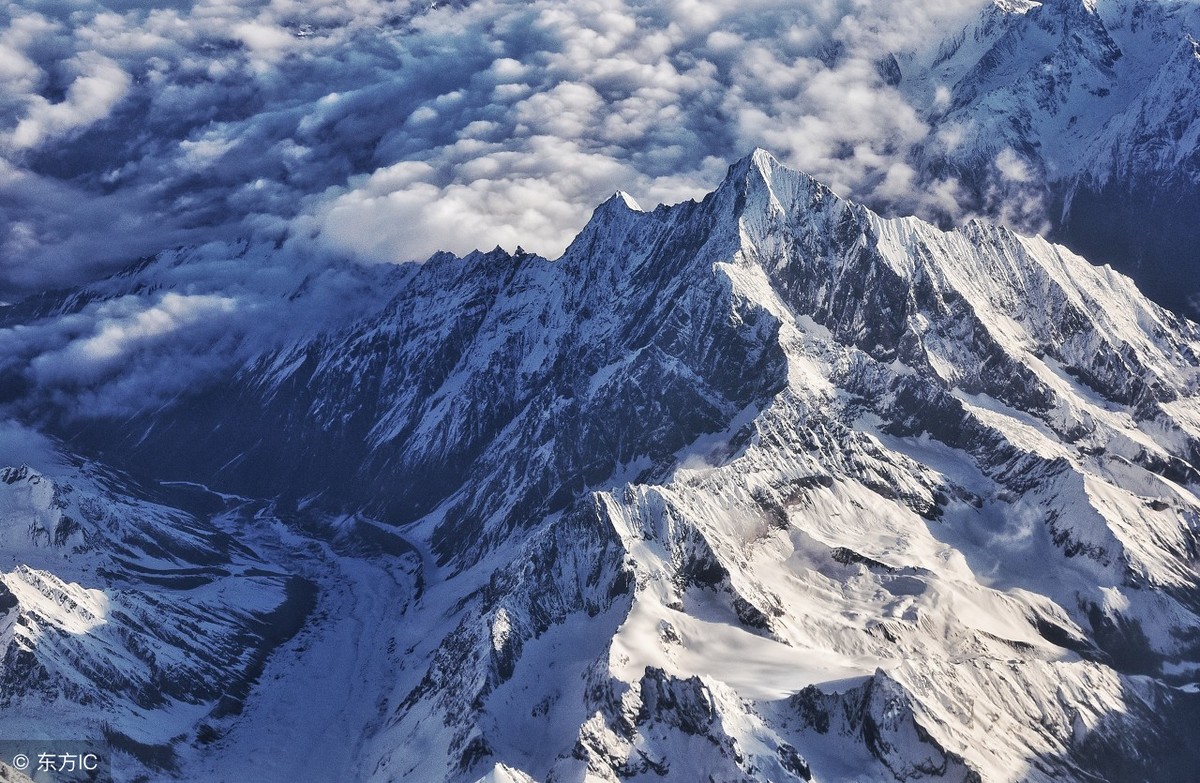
x: 140, y: 340
x: 387, y: 129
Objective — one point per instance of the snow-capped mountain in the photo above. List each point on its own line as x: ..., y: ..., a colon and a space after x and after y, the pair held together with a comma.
x: 761, y: 487
x: 127, y: 618
x: 1075, y: 116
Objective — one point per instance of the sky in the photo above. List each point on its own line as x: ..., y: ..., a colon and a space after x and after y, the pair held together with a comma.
x: 385, y: 130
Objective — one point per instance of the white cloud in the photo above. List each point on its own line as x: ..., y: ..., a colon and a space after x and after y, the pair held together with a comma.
x: 20, y: 445
x: 123, y: 327
x: 390, y: 128
x: 1011, y: 167
x: 100, y: 83
x: 495, y: 197
x: 138, y: 341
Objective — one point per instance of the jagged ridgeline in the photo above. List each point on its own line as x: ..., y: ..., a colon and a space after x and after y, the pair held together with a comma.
x: 1079, y: 118
x: 764, y: 487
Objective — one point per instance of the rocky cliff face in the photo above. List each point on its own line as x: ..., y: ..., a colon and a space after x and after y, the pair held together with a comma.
x: 764, y: 487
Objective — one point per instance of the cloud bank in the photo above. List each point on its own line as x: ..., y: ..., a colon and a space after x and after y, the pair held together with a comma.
x: 385, y: 130
x: 169, y: 327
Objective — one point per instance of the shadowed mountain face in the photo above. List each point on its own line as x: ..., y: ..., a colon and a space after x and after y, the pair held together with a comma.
x: 764, y: 487
x: 495, y: 383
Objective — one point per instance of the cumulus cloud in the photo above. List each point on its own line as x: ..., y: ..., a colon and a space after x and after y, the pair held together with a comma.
x: 654, y: 99
x: 96, y: 88
x: 120, y: 356
x: 387, y: 129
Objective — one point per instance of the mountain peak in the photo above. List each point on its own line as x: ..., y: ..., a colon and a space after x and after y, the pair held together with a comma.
x: 1080, y: 21
x: 628, y: 200
x: 763, y: 159
x: 714, y: 411
x: 619, y: 202
x: 1015, y: 6
x: 759, y: 162
x: 761, y: 186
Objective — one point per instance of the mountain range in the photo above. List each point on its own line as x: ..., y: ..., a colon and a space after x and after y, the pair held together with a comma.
x: 1078, y: 118
x: 758, y: 487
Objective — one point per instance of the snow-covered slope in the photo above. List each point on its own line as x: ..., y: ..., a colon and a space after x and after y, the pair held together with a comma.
x: 764, y: 487
x: 957, y: 540
x: 128, y: 618
x: 1078, y: 117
